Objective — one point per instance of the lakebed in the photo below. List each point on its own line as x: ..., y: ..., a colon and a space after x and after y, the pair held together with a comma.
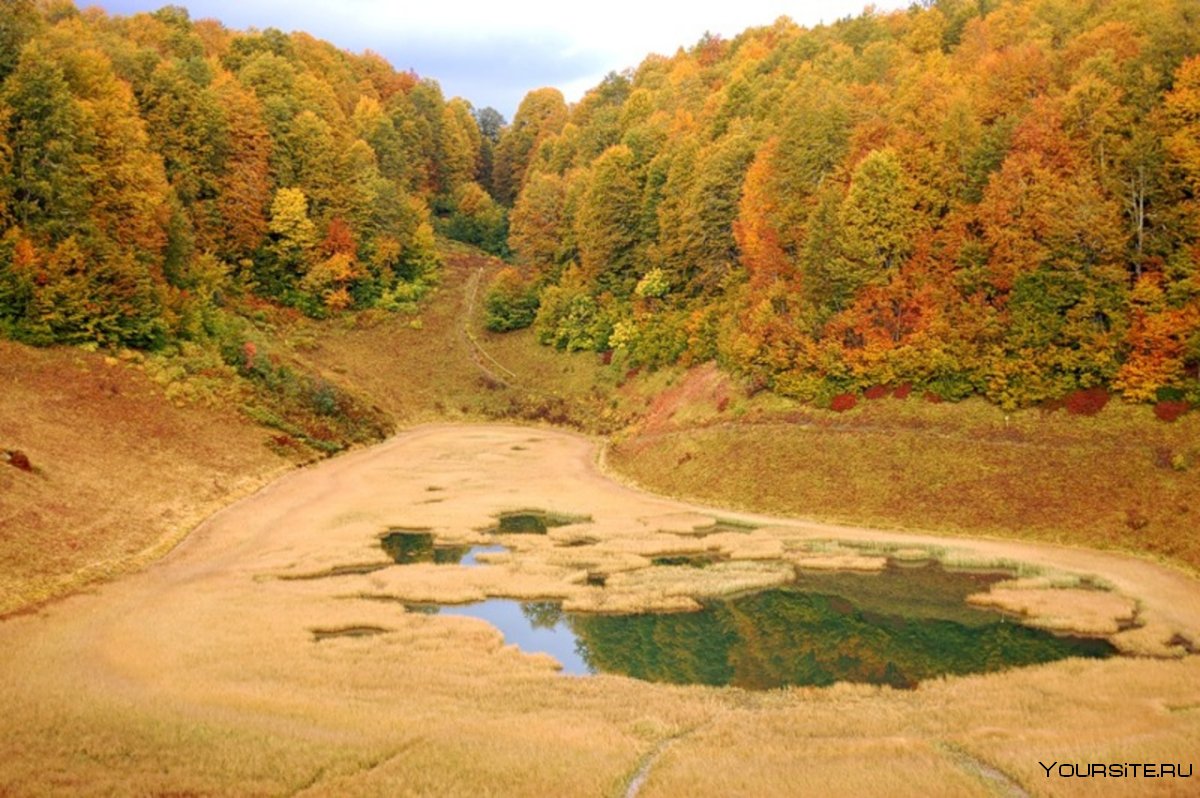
x: 272, y: 651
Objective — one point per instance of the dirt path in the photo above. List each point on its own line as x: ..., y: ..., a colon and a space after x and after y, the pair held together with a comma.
x: 203, y: 673
x: 488, y: 365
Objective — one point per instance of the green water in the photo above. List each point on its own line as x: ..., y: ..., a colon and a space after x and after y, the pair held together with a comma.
x: 533, y: 522
x: 688, y: 560
x: 896, y: 628
x: 412, y: 545
x: 348, y: 631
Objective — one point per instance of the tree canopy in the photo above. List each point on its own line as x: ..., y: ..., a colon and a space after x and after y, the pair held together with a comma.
x: 994, y: 197
x: 141, y: 156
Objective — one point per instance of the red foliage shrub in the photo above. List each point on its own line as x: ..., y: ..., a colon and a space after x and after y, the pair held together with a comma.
x: 876, y: 392
x: 722, y: 404
x: 1163, y: 458
x: 1136, y: 520
x: 249, y: 352
x: 1087, y: 402
x: 843, y: 402
x: 902, y: 391
x: 606, y: 356
x: 18, y: 459
x: 933, y: 398
x: 1171, y: 410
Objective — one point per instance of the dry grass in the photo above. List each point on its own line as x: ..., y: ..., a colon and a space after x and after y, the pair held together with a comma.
x: 448, y: 367
x: 964, y: 469
x: 201, y: 674
x: 1089, y: 612
x: 127, y: 461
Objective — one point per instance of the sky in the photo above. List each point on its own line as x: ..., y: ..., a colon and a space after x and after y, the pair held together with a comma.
x: 493, y: 52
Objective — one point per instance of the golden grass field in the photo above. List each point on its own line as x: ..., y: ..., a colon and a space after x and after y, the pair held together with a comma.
x: 1120, y: 480
x: 199, y: 672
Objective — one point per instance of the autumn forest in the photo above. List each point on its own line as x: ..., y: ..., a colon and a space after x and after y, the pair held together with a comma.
x: 807, y: 410
x: 970, y: 197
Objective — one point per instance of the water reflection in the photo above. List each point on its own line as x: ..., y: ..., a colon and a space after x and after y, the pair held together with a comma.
x: 531, y: 626
x: 413, y: 545
x: 896, y: 628
x: 533, y: 522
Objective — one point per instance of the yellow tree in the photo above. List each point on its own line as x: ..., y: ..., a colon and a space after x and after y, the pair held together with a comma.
x: 541, y: 115
x: 1181, y: 108
x: 244, y: 183
x: 538, y: 221
x: 460, y: 145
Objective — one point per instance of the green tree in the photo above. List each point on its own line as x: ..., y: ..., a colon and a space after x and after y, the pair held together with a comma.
x: 491, y: 126
x: 511, y: 302
x: 607, y: 223
x: 52, y: 146
x: 710, y: 252
x: 878, y: 222
x: 19, y: 22
x: 376, y: 128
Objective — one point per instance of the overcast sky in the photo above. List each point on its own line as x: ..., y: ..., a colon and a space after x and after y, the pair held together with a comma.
x: 492, y: 53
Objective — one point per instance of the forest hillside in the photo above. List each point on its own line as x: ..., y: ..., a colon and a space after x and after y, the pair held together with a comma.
x: 993, y: 197
x: 156, y: 172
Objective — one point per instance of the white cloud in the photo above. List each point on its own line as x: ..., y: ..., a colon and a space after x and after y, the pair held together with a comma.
x: 492, y: 52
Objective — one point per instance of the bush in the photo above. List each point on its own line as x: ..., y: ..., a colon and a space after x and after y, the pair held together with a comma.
x: 654, y: 340
x: 843, y: 402
x: 17, y: 459
x: 511, y: 303
x: 477, y: 219
x: 572, y: 320
x: 876, y: 392
x: 1086, y: 402
x: 1169, y: 393
x: 902, y: 391
x: 1170, y: 410
x: 654, y: 285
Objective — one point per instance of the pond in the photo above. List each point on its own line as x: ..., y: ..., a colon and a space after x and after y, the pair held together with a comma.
x: 533, y: 522
x: 898, y: 628
x: 407, y: 546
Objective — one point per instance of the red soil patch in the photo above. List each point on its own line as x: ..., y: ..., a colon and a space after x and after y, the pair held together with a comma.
x: 703, y: 385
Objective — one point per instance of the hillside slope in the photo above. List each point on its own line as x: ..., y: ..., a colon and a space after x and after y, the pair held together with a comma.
x: 119, y: 473
x: 123, y: 469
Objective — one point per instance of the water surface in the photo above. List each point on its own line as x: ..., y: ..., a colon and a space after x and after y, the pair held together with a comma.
x: 897, y: 628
